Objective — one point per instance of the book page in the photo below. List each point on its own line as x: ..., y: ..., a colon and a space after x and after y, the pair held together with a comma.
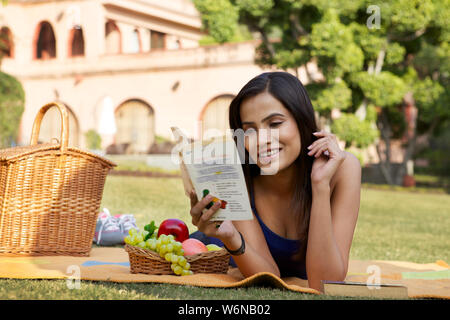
x: 214, y: 168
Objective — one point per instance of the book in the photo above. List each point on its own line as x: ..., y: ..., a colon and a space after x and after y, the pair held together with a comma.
x: 361, y: 289
x: 213, y: 167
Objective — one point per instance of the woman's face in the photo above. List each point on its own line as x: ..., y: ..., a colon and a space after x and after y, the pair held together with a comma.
x: 272, y: 135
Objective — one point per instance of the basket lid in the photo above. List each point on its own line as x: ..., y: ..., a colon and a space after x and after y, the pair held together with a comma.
x: 14, y: 153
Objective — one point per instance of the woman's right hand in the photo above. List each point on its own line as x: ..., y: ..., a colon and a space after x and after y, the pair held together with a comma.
x: 201, y: 218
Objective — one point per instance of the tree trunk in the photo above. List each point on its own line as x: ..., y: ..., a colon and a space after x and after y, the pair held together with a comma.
x: 410, y: 112
x: 385, y: 162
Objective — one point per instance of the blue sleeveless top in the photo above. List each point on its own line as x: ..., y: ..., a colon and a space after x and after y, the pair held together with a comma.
x: 282, y: 249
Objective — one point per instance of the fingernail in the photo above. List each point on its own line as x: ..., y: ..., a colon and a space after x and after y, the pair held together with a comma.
x: 209, y: 197
x: 309, y: 147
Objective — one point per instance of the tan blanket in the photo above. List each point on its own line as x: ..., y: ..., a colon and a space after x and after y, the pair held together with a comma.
x: 112, y: 264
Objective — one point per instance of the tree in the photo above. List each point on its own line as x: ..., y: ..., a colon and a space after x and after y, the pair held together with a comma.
x: 374, y: 73
x: 12, y: 104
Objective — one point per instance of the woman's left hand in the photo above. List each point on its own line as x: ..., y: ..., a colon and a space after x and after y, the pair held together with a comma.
x: 328, y: 157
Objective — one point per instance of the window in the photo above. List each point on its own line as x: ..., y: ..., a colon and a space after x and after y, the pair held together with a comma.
x: 45, y: 47
x: 6, y: 42
x: 158, y: 40
x: 113, y: 42
x: 76, y: 44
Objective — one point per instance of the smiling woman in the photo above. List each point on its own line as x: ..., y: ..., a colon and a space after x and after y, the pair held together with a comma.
x: 304, y: 190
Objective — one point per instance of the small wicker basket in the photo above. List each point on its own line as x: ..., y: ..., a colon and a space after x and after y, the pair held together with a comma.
x: 50, y: 195
x: 149, y: 262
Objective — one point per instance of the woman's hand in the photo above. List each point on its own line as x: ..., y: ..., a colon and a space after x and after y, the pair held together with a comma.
x: 201, y: 218
x: 328, y: 158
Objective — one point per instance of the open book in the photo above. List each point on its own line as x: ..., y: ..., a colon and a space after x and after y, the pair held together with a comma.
x: 214, y: 167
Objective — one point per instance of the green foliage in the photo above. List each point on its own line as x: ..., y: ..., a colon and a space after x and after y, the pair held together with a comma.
x: 325, y: 98
x: 408, y: 15
x: 362, y: 66
x: 332, y: 43
x: 12, y: 105
x: 219, y: 18
x: 384, y: 89
x: 349, y: 128
x: 93, y: 140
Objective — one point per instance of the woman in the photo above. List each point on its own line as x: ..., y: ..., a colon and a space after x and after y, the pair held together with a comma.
x: 305, y: 212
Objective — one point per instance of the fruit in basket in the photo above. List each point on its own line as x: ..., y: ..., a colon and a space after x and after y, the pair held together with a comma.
x: 193, y: 246
x: 165, y: 245
x: 175, y: 227
x: 213, y: 247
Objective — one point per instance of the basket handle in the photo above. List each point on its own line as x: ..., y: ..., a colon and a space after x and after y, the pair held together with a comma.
x: 64, y: 120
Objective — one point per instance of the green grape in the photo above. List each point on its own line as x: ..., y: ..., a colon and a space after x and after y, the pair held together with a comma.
x: 181, y: 252
x: 141, y: 245
x: 132, y: 232
x: 177, y: 246
x: 158, y: 244
x: 165, y: 240
x: 152, y: 244
x: 154, y: 235
x: 168, y: 257
x: 171, y: 237
x: 172, y: 266
x: 175, y: 258
x: 187, y: 266
x: 182, y: 261
x: 186, y: 272
x: 169, y: 247
x: 178, y: 270
x: 163, y: 248
x: 139, y: 238
x: 128, y: 240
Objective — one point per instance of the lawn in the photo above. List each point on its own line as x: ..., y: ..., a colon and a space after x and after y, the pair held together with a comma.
x: 392, y: 225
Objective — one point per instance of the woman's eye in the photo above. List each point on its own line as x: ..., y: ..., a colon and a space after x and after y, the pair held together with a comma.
x: 275, y: 124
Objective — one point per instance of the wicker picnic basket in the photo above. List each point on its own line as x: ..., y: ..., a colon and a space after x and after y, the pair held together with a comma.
x: 149, y: 262
x: 50, y: 195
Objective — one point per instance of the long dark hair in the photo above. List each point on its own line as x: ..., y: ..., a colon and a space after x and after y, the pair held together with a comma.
x: 287, y: 89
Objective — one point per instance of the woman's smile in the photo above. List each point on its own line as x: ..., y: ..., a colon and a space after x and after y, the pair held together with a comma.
x: 268, y: 155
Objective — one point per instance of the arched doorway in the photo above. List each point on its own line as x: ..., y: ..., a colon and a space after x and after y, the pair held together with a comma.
x: 215, y: 114
x: 135, y: 122
x: 6, y: 42
x: 45, y: 43
x: 113, y: 42
x: 51, y: 127
x: 76, y: 42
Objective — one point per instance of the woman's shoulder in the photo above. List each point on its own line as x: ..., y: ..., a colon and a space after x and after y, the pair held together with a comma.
x: 349, y: 170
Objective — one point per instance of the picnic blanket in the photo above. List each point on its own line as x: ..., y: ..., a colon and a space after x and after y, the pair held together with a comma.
x: 431, y: 280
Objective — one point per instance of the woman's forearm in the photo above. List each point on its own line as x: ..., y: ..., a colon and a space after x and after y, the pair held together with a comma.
x: 250, y: 262
x: 323, y: 258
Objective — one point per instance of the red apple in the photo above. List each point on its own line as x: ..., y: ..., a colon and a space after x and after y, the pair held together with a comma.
x: 193, y: 246
x: 175, y: 227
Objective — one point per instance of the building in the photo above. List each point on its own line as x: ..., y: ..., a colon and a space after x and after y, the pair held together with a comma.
x: 135, y: 61
x: 128, y: 69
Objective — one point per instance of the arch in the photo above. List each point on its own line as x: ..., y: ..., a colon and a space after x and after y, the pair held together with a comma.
x: 6, y: 42
x: 136, y: 43
x: 51, y: 126
x: 215, y: 114
x: 76, y: 42
x: 135, y: 122
x: 113, y: 38
x: 45, y: 42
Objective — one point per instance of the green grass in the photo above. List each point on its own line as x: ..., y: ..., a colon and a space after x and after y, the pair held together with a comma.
x: 392, y: 225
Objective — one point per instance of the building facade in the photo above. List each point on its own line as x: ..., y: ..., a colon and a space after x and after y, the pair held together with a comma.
x: 126, y: 69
